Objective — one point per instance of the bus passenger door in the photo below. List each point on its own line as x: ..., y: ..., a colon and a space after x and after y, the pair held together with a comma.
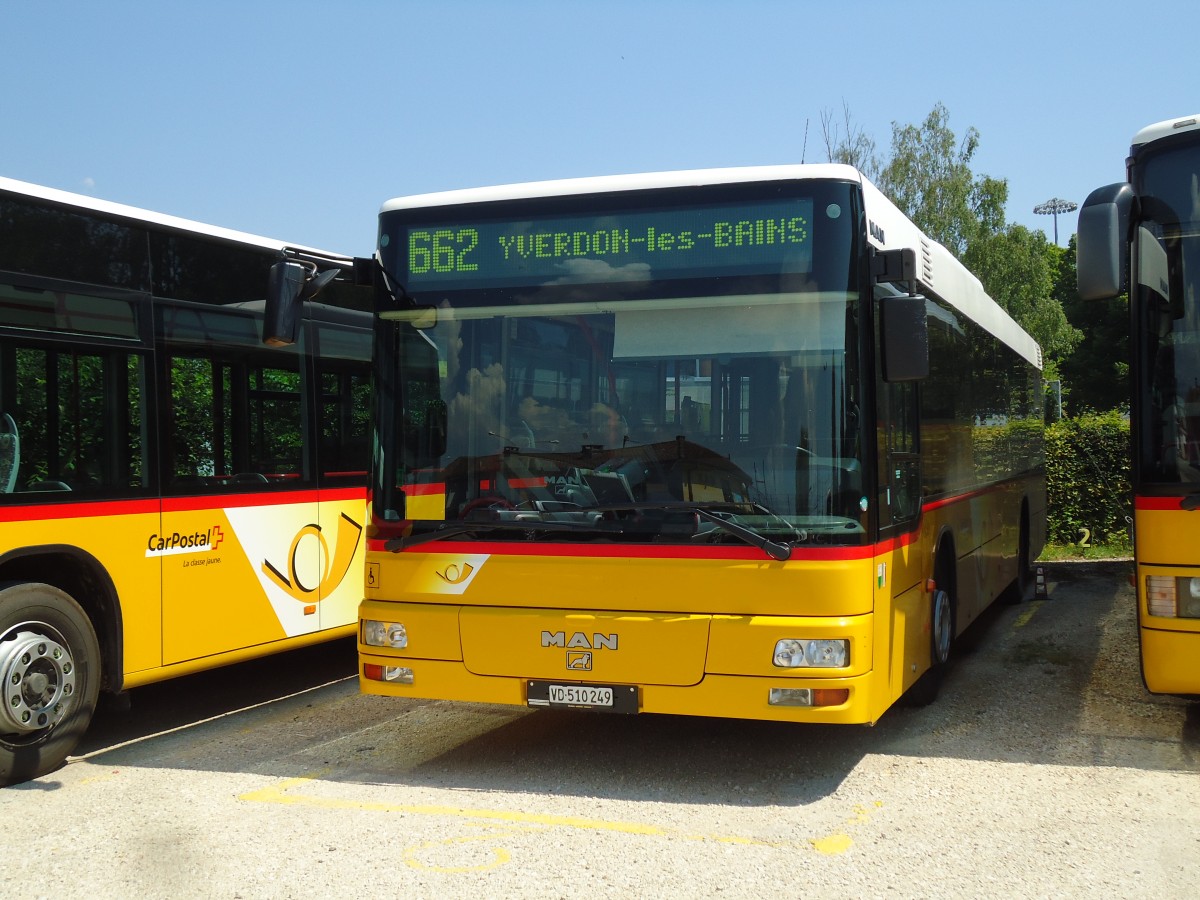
x: 900, y: 600
x: 899, y: 458
x: 243, y: 549
x: 342, y: 372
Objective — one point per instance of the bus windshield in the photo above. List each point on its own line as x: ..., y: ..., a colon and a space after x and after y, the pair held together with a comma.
x: 607, y: 395
x: 1168, y: 309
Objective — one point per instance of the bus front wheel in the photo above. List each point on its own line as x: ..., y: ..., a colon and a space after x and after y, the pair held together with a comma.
x: 941, y: 636
x: 49, y: 679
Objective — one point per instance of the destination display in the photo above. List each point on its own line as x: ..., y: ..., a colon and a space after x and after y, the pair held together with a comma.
x: 771, y: 237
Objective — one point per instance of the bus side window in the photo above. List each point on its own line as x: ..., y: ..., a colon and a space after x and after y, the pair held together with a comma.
x: 74, y: 421
x: 235, y: 413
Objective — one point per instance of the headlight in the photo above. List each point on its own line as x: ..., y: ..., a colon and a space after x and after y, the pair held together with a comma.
x: 1189, y: 605
x: 797, y: 653
x: 385, y: 634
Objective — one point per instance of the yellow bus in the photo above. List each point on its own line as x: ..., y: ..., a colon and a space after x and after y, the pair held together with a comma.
x: 1143, y: 236
x: 688, y: 443
x: 174, y: 495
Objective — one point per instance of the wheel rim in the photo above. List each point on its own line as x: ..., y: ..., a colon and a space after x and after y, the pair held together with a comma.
x: 37, y: 678
x: 943, y: 626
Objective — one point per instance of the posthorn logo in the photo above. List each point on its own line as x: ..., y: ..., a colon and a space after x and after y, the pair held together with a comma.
x: 334, y: 567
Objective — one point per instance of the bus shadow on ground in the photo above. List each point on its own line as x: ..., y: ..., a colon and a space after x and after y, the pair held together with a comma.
x: 186, y: 702
x: 1050, y: 682
x: 691, y: 760
x: 1045, y: 682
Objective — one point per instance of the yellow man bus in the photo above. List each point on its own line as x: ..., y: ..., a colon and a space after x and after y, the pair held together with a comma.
x: 174, y: 495
x: 688, y: 443
x: 1144, y: 235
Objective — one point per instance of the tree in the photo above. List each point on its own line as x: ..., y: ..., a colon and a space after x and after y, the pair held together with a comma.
x: 1019, y: 268
x: 854, y: 147
x: 929, y: 177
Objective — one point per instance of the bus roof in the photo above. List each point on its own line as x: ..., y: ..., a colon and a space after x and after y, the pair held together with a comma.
x: 940, y: 271
x: 1163, y: 129
x: 159, y: 220
x: 605, y: 184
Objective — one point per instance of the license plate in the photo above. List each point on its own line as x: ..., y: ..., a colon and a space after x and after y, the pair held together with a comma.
x: 579, y: 695
x: 599, y: 697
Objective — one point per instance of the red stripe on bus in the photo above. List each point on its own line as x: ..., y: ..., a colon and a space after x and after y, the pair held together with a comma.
x: 144, y: 506
x: 1157, y: 503
x: 424, y: 490
x: 959, y: 498
x: 627, y: 551
x: 683, y: 552
x: 78, y: 510
x: 535, y: 482
x: 270, y: 498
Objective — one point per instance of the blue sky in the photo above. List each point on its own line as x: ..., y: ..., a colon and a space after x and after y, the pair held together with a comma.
x: 298, y: 120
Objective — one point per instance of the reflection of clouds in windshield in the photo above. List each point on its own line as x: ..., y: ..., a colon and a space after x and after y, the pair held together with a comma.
x: 475, y: 414
x: 597, y: 271
x: 617, y: 281
x: 549, y: 424
x: 546, y: 425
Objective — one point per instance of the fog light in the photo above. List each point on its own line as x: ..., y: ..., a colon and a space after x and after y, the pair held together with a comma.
x: 793, y: 653
x: 384, y: 634
x: 789, y: 697
x: 398, y: 674
x: 394, y: 674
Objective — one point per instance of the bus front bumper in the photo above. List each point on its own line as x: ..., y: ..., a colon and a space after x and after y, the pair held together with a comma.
x: 1171, y: 661
x: 683, y: 665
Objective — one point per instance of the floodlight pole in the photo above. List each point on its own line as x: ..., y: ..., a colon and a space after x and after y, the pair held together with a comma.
x: 1052, y: 208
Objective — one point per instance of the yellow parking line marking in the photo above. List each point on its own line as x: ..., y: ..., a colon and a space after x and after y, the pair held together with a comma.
x: 285, y: 792
x: 832, y: 845
x: 280, y: 793
x: 1023, y: 619
x: 500, y: 856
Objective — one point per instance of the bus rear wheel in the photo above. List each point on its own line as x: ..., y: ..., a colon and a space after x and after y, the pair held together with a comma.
x: 49, y: 679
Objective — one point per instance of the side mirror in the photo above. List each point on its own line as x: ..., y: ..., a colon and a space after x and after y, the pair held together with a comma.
x: 904, y: 338
x: 1102, y: 243
x: 281, y: 318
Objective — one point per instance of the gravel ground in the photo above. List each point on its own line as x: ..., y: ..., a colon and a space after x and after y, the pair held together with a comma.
x: 1044, y: 770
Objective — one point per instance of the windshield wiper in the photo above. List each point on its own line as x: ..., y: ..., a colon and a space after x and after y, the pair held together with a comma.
x: 448, y: 530
x: 526, y: 526
x: 773, y: 549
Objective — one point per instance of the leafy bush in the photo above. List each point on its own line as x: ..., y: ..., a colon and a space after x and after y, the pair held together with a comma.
x: 1087, y: 479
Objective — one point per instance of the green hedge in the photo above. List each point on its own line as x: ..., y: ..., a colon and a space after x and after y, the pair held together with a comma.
x: 1087, y: 479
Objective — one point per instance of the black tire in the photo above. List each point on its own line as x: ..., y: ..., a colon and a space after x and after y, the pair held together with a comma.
x: 941, y: 639
x: 49, y: 679
x: 1019, y: 589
